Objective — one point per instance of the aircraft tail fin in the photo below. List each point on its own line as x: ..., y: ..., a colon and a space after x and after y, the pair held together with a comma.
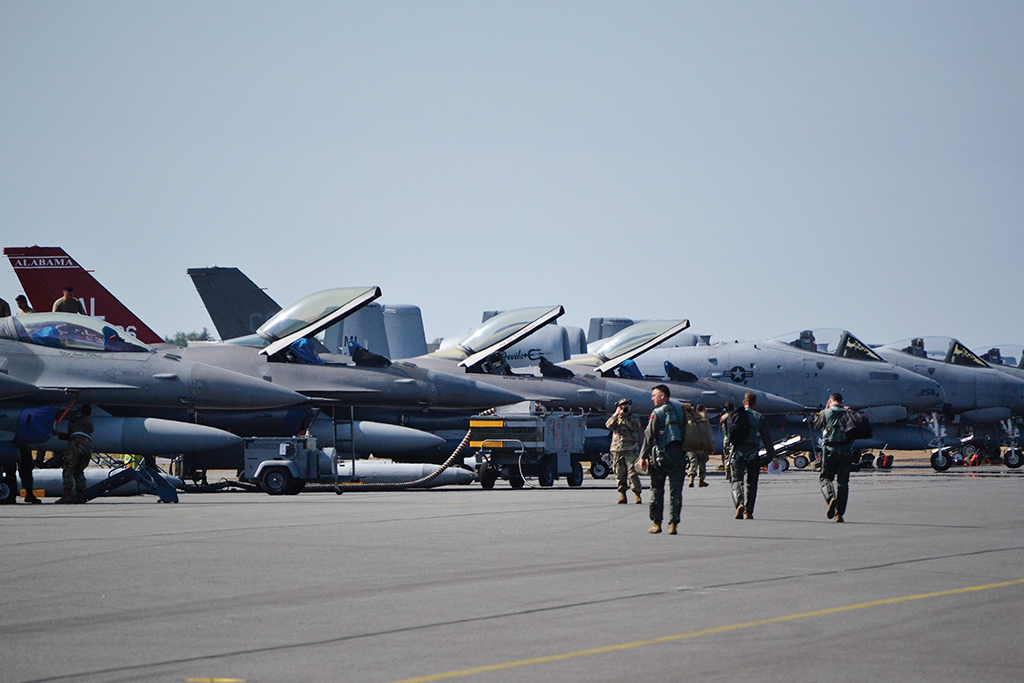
x: 235, y: 304
x: 45, y: 271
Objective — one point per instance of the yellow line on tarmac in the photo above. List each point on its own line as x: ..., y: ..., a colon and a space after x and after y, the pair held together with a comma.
x: 704, y: 632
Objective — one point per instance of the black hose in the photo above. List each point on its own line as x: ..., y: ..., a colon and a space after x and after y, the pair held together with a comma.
x: 401, y: 486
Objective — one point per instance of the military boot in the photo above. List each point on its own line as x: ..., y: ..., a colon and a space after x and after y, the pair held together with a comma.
x: 638, y: 499
x: 31, y: 498
x: 79, y: 498
x: 622, y: 498
x: 65, y: 499
x: 831, y: 508
x: 655, y: 528
x: 739, y: 511
x: 692, y: 477
x: 671, y: 528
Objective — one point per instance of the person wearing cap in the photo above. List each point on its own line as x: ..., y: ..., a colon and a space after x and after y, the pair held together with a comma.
x: 625, y: 429
x: 23, y: 306
x: 68, y: 303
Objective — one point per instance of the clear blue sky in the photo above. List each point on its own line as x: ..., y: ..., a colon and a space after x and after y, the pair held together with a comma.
x: 755, y: 167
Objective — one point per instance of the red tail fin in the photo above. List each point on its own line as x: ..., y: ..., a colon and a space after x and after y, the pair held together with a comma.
x: 45, y: 271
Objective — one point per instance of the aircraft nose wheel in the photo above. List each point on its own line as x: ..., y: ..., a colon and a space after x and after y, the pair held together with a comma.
x: 599, y: 469
x: 941, y: 461
x: 1012, y: 458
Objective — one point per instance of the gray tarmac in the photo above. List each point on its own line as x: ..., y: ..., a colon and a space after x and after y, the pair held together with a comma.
x: 923, y: 583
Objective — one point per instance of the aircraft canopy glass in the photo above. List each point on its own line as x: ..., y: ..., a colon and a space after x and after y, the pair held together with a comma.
x: 630, y: 338
x: 830, y: 340
x: 308, y: 310
x: 1007, y: 355
x: 70, y: 331
x: 502, y: 326
x: 942, y: 349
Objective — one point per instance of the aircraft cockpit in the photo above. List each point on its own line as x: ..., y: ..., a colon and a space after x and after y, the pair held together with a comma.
x: 941, y: 349
x: 495, y: 335
x: 629, y: 343
x: 70, y: 331
x: 1006, y: 355
x: 833, y: 341
x: 289, y: 336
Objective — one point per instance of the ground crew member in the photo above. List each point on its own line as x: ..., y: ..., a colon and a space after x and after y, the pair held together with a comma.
x: 68, y: 303
x: 77, y: 456
x: 698, y: 467
x: 745, y: 465
x: 25, y: 465
x: 663, y: 451
x: 23, y: 306
x: 625, y: 429
x: 836, y: 458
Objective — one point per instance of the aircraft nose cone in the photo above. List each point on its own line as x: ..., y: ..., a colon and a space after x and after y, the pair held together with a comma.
x: 212, y: 387
x: 458, y: 393
x: 924, y: 393
x: 11, y: 387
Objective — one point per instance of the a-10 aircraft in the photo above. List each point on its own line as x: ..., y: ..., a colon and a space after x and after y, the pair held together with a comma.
x: 979, y: 397
x: 807, y: 375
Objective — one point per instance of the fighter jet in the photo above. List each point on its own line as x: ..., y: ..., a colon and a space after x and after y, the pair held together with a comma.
x: 976, y: 394
x: 51, y: 360
x: 611, y: 354
x: 284, y: 351
x: 478, y: 356
x: 973, y: 389
x: 788, y: 367
x: 62, y: 354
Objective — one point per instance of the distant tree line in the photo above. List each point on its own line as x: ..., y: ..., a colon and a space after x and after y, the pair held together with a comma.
x: 183, y: 338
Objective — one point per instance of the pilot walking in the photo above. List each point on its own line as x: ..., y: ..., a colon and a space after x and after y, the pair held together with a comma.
x: 77, y: 456
x: 663, y: 451
x: 836, y: 457
x: 625, y: 429
x: 698, y: 469
x: 745, y: 463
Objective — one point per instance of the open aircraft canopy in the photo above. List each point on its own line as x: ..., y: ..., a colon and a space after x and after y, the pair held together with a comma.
x: 311, y: 314
x: 941, y: 349
x: 70, y: 331
x: 500, y: 332
x: 631, y: 342
x: 830, y: 340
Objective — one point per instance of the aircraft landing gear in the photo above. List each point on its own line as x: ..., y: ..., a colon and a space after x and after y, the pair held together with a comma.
x: 941, y: 460
x: 599, y: 469
x: 1012, y: 458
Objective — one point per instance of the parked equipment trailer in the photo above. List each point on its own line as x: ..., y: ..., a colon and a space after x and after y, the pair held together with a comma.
x: 538, y: 444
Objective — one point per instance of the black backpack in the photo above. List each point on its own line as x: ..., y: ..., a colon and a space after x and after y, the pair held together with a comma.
x: 737, y: 427
x: 853, y: 425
